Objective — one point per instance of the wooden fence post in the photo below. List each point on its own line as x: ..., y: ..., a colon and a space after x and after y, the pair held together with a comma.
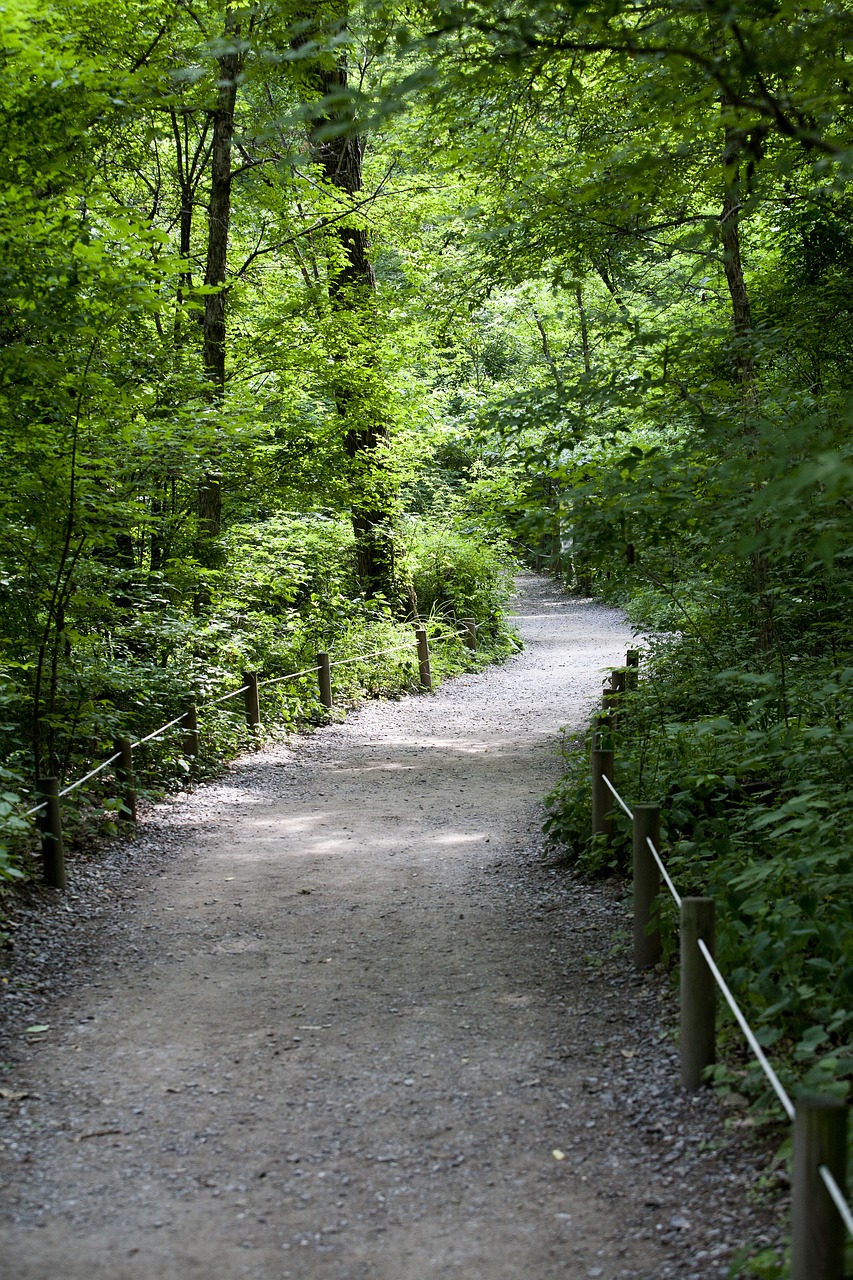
x: 324, y: 677
x: 817, y: 1232
x: 52, y: 845
x: 423, y: 658
x: 469, y: 625
x: 253, y: 704
x: 191, y: 732
x: 632, y: 662
x: 647, y: 944
x: 610, y: 701
x: 698, y: 992
x: 125, y: 779
x: 602, y: 799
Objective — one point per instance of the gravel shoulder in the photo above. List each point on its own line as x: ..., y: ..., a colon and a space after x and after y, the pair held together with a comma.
x: 334, y: 1017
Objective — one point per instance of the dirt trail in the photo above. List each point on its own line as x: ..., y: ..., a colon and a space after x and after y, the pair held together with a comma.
x: 351, y: 1027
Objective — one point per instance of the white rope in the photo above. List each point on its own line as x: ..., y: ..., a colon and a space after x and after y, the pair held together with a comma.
x: 157, y: 732
x: 263, y: 684
x: 676, y: 895
x: 216, y: 701
x: 747, y: 1031
x: 837, y: 1198
x: 74, y: 785
x: 616, y: 795
x: 397, y: 648
x: 360, y: 657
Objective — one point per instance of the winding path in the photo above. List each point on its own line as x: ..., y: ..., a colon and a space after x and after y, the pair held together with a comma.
x: 343, y: 1023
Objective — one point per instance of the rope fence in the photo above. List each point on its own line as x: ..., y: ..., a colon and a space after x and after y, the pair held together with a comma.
x: 820, y: 1214
x: 662, y: 869
x: 48, y: 808
x: 293, y: 675
x: 149, y: 737
x: 226, y: 697
x: 105, y: 764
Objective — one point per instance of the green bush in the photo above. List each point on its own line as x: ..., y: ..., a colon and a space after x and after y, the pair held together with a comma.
x: 456, y: 576
x: 757, y: 813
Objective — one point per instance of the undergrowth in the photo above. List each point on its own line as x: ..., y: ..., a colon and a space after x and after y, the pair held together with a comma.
x: 751, y: 771
x: 757, y: 813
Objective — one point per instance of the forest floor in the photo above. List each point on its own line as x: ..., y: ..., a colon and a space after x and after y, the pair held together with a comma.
x: 333, y: 1016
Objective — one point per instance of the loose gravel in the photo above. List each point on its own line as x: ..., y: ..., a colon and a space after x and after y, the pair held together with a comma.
x: 334, y: 1016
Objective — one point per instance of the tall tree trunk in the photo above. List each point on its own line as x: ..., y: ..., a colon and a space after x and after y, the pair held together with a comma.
x: 352, y: 286
x: 546, y: 350
x: 744, y: 356
x: 733, y: 265
x: 587, y: 363
x: 218, y: 226
x: 190, y: 163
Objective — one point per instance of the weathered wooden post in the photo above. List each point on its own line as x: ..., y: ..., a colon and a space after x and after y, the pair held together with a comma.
x: 647, y: 944
x: 469, y: 626
x: 191, y: 732
x: 423, y: 658
x: 617, y: 681
x: 610, y: 700
x: 125, y: 779
x: 602, y: 797
x: 253, y: 702
x: 632, y: 662
x: 324, y: 678
x: 817, y: 1232
x: 698, y: 992
x: 50, y: 821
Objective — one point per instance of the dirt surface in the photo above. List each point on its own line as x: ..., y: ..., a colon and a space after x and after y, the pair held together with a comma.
x: 333, y: 1017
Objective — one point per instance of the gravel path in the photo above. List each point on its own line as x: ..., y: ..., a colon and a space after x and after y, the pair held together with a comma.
x: 332, y: 1017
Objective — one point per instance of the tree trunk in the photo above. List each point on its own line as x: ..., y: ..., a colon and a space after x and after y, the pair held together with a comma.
x: 587, y: 363
x: 546, y: 350
x: 744, y: 358
x: 352, y: 287
x: 215, y: 302
x: 733, y: 265
x: 191, y: 162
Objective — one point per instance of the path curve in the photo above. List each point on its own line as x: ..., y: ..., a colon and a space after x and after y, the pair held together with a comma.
x: 351, y: 1026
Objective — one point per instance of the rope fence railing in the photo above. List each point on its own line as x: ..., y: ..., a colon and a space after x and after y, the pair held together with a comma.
x: 291, y: 675
x: 226, y: 697
x: 66, y: 791
x: 820, y: 1215
x: 364, y: 657
x: 662, y: 869
x: 48, y: 809
x: 395, y: 648
x: 749, y: 1034
x: 157, y: 733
